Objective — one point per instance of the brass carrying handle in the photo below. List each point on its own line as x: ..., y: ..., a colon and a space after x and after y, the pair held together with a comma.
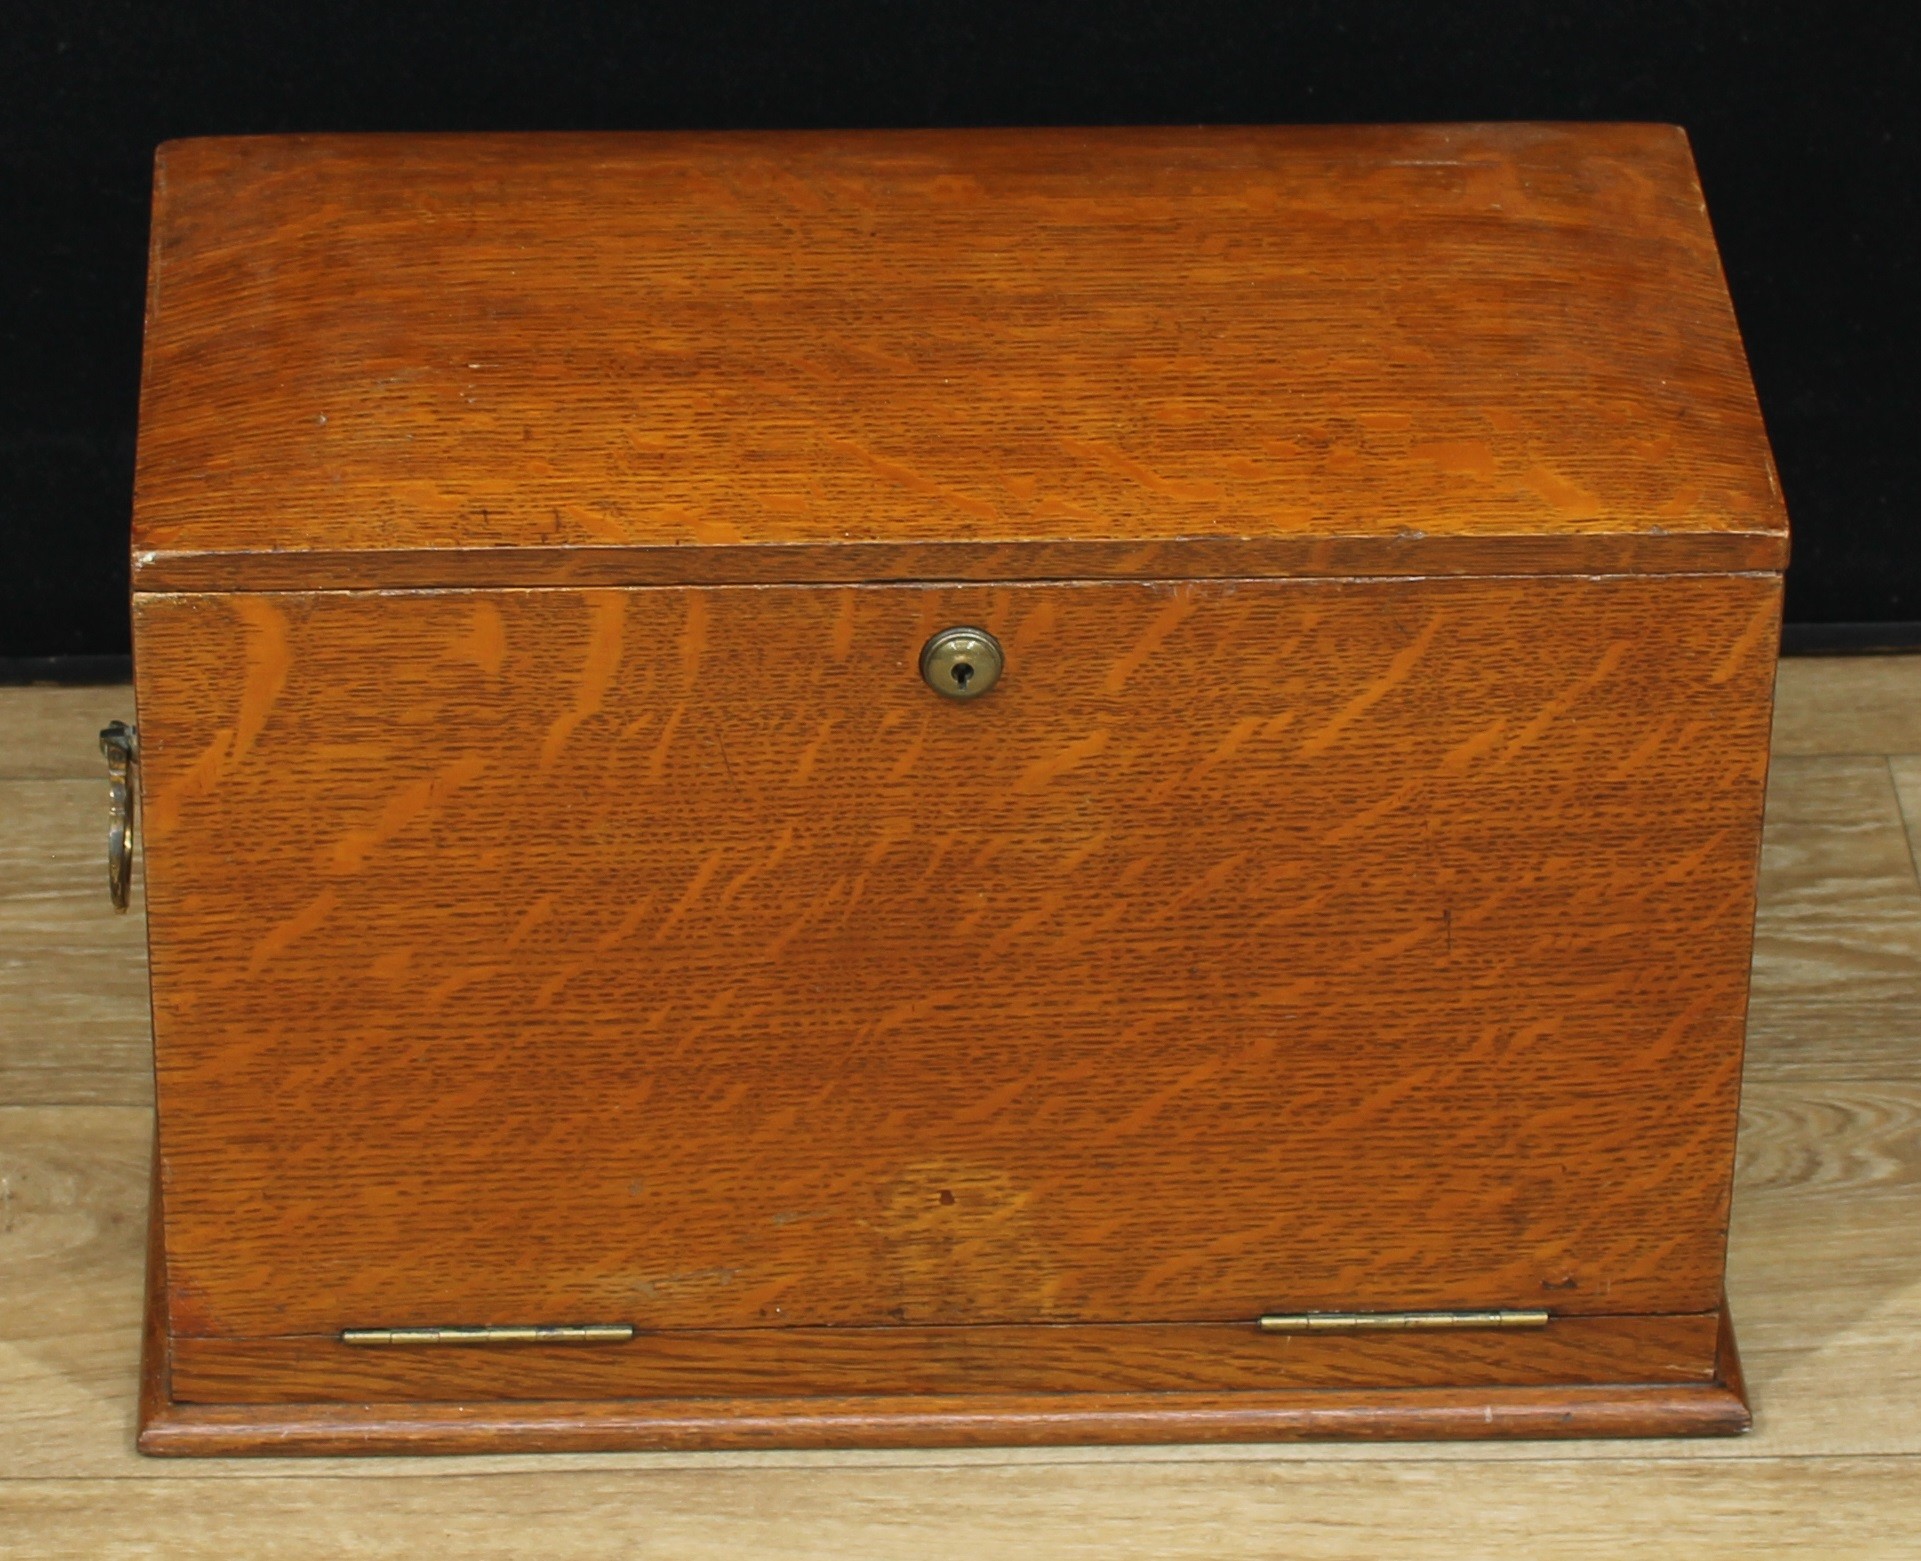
x: 121, y: 744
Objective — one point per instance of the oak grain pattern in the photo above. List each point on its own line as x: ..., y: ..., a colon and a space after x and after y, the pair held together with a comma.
x: 513, y: 360
x: 1837, y: 991
x: 1079, y: 1358
x: 624, y: 951
x: 1826, y: 1284
x: 882, y: 1413
x: 1826, y: 1281
x: 675, y: 957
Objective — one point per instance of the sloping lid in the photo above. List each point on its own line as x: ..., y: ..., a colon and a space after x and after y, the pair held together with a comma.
x: 987, y: 354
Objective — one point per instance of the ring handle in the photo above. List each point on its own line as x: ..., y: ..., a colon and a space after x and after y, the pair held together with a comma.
x: 121, y: 745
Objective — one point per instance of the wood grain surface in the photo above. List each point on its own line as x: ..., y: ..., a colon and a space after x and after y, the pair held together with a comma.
x: 1151, y: 1019
x: 1827, y: 1285
x: 1825, y: 1279
x: 508, y: 360
x: 1856, y: 706
x: 73, y: 984
x: 1861, y: 1509
x: 983, y: 1413
x: 976, y: 1419
x: 51, y: 732
x: 1825, y: 901
x: 1837, y: 955
x: 627, y: 936
x: 1007, y: 1359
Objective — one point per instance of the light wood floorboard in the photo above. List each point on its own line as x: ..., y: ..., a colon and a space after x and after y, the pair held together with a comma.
x: 54, y: 733
x: 1837, y: 937
x: 1824, y: 1274
x: 73, y: 976
x: 1848, y: 704
x: 1857, y: 1508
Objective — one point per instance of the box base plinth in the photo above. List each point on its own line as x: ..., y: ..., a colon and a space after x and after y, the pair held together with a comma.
x: 1341, y: 1414
x: 169, y: 1428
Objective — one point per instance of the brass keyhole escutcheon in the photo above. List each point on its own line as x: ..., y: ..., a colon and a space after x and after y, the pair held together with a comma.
x: 962, y: 663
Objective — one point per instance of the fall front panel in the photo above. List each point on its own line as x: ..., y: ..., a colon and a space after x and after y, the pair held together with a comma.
x: 675, y: 957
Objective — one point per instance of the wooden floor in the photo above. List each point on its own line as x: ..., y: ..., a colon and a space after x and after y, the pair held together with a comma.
x: 1825, y: 1276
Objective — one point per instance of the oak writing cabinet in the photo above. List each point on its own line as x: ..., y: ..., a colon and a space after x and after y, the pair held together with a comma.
x: 622, y: 978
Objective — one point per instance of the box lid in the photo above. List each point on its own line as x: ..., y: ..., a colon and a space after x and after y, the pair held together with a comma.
x: 515, y: 360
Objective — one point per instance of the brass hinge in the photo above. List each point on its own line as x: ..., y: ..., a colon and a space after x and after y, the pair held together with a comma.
x: 1370, y: 1322
x: 548, y: 1333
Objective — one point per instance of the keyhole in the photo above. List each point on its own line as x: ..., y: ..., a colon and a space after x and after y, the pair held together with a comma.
x: 961, y: 663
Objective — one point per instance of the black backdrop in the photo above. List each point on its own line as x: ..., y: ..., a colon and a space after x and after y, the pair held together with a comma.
x: 1810, y: 166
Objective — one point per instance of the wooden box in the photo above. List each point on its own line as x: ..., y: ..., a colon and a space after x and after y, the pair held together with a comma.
x: 605, y: 996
